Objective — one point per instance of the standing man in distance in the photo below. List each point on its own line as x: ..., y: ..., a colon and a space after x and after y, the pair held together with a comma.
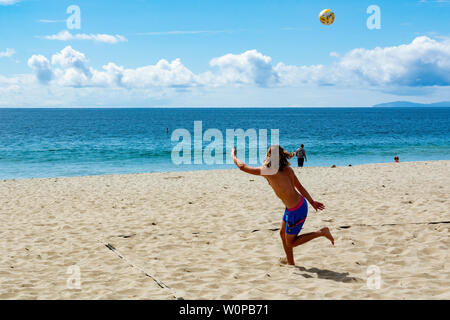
x: 301, y: 155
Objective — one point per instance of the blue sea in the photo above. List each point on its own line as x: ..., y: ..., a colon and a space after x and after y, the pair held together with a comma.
x: 78, y: 142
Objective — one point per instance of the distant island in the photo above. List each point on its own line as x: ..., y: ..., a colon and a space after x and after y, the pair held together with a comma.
x: 407, y: 104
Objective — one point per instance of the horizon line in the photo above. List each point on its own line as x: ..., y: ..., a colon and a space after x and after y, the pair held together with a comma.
x: 182, y: 107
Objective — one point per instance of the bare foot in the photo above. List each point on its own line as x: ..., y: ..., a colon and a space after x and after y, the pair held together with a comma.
x: 284, y: 261
x: 327, y: 234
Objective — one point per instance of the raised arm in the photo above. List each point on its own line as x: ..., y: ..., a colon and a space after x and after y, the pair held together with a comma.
x: 316, y: 205
x: 242, y: 166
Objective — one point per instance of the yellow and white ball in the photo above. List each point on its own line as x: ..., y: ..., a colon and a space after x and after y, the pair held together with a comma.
x: 326, y: 17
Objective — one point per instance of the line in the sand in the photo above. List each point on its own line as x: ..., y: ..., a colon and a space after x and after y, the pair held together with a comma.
x: 394, y: 224
x: 346, y: 226
x: 366, y: 225
x: 273, y: 229
x: 158, y: 282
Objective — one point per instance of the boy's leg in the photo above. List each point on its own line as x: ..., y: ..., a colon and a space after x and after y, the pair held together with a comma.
x: 296, y: 240
x: 288, y: 250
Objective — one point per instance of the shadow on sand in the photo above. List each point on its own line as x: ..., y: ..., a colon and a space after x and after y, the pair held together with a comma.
x: 327, y: 274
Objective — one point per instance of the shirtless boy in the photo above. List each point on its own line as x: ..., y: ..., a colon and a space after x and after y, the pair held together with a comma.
x: 294, y: 196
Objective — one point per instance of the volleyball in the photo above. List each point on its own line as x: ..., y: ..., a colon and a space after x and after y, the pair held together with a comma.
x: 326, y: 17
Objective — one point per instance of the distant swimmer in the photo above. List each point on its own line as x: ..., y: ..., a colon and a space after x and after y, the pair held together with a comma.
x: 287, y: 187
x: 396, y: 159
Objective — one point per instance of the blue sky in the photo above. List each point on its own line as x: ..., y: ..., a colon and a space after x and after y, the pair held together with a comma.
x: 231, y: 53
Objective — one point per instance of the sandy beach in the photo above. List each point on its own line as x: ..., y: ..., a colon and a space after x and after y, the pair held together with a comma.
x: 215, y: 235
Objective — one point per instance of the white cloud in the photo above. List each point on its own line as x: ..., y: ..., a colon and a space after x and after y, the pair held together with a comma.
x: 434, y: 1
x: 162, y: 74
x: 8, y: 53
x: 334, y: 54
x: 418, y: 69
x: 105, y: 38
x: 182, y: 32
x: 8, y: 2
x: 51, y: 21
x: 70, y: 58
x: 250, y: 67
x: 423, y: 62
x: 73, y: 71
x: 296, y: 76
x: 41, y: 68
x: 69, y: 68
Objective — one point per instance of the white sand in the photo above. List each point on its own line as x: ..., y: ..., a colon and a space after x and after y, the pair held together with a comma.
x: 193, y: 232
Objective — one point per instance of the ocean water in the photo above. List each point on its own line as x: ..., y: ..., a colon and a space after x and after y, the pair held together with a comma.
x: 77, y: 142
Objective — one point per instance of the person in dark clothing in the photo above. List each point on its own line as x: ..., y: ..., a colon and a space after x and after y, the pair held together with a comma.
x: 301, y: 155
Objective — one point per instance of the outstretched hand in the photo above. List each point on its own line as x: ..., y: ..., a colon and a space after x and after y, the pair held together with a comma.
x: 235, y: 159
x: 318, y: 205
x: 233, y: 153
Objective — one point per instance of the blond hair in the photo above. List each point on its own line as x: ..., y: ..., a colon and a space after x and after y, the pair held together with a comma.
x: 283, y: 157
